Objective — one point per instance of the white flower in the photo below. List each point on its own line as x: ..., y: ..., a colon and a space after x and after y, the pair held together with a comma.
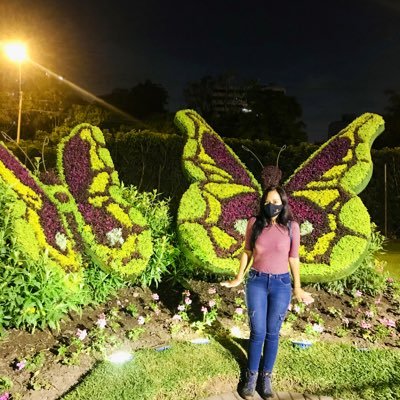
x: 81, y: 334
x: 141, y: 320
x: 115, y: 236
x: 318, y: 328
x: 61, y: 241
x: 305, y: 228
x: 240, y: 226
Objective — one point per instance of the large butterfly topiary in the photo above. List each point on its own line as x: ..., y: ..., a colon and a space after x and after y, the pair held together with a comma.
x: 78, y: 210
x: 334, y: 223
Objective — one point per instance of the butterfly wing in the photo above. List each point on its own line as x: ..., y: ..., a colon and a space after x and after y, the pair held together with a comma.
x: 115, y: 234
x: 334, y: 223
x: 213, y: 212
x: 39, y: 226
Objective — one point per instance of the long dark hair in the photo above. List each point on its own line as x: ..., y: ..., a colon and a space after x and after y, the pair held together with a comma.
x: 261, y: 220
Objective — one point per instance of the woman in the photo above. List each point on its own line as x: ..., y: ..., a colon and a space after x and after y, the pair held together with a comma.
x: 272, y: 241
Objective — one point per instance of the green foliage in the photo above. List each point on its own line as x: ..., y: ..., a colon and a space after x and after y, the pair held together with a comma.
x: 5, y: 383
x: 368, y: 278
x: 157, y: 213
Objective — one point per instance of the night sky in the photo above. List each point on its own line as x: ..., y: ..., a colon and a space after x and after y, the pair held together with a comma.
x: 335, y: 57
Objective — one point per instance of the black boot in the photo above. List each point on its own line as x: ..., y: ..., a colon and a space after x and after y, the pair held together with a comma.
x: 250, y: 383
x: 266, y: 385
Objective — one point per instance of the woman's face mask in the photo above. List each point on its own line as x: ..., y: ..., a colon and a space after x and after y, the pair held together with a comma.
x: 272, y: 210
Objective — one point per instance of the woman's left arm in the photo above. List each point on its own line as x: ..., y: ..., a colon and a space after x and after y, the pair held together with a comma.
x: 298, y: 292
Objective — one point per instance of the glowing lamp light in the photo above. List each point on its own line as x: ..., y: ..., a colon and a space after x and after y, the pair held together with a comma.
x: 120, y: 357
x: 16, y: 51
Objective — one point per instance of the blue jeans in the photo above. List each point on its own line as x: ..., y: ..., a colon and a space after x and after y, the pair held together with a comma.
x: 268, y: 297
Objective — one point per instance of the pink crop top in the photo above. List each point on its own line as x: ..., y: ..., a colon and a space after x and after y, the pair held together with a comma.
x: 273, y: 248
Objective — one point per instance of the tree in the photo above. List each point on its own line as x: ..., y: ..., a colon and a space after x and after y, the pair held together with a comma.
x: 142, y: 101
x: 391, y: 136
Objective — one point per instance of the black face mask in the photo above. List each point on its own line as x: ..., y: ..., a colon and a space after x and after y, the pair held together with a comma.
x: 272, y: 210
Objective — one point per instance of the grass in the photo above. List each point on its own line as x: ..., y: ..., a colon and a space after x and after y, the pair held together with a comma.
x: 392, y: 257
x: 189, y: 371
x: 183, y: 372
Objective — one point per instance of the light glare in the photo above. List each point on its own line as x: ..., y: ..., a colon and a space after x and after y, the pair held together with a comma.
x: 120, y: 357
x: 16, y: 51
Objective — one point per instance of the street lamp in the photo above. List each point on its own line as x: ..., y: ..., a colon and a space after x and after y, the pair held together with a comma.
x: 16, y: 52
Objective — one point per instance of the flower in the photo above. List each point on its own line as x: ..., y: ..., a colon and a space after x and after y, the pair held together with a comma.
x: 358, y: 293
x: 21, y: 364
x: 212, y: 290
x: 204, y: 310
x: 5, y: 396
x: 365, y: 325
x: 345, y: 321
x: 388, y: 322
x: 81, y: 334
x: 177, y: 317
x: 114, y: 236
x: 378, y: 300
x: 318, y: 328
x: 297, y: 309
x: 186, y: 293
x: 211, y: 303
x: 101, y: 322
x: 240, y: 291
x: 181, y: 307
x: 141, y: 320
x: 155, y: 296
x: 239, y: 310
x: 61, y: 241
x: 290, y: 307
x: 188, y: 301
x: 369, y: 314
x: 389, y: 280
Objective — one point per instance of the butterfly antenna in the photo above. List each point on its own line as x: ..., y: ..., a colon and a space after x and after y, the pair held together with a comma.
x: 10, y: 139
x: 247, y: 149
x: 280, y: 151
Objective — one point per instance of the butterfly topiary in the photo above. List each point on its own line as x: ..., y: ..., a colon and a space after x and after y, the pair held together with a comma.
x: 79, y: 209
x: 334, y: 223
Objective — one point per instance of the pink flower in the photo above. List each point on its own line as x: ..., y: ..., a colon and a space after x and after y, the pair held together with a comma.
x: 239, y: 311
x: 155, y: 296
x: 358, y: 293
x: 101, y: 322
x: 389, y: 280
x: 21, y: 364
x: 181, y: 307
x: 177, y: 317
x: 369, y: 314
x: 186, y: 293
x: 204, y: 310
x: 365, y: 325
x: 290, y: 307
x: 212, y: 290
x: 308, y: 300
x: 81, y: 334
x: 188, y: 301
x: 5, y: 396
x: 140, y: 320
x: 378, y: 300
x: 345, y: 321
x: 211, y: 303
x: 387, y: 322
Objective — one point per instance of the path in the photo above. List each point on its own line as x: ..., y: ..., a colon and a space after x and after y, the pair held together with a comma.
x: 278, y: 396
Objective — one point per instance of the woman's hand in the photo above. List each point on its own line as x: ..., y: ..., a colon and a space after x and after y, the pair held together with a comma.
x: 230, y: 284
x: 301, y: 295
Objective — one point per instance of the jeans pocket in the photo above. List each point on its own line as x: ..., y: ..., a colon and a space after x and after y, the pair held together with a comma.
x: 285, y: 280
x: 251, y: 275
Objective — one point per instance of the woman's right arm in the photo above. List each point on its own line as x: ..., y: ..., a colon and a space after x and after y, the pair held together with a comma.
x: 244, y: 263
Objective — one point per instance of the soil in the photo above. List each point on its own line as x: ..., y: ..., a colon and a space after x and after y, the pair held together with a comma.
x: 53, y: 378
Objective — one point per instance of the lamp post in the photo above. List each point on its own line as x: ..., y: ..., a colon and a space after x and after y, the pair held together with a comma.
x: 16, y: 52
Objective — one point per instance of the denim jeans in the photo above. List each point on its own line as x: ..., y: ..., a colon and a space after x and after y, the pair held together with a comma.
x: 268, y: 297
